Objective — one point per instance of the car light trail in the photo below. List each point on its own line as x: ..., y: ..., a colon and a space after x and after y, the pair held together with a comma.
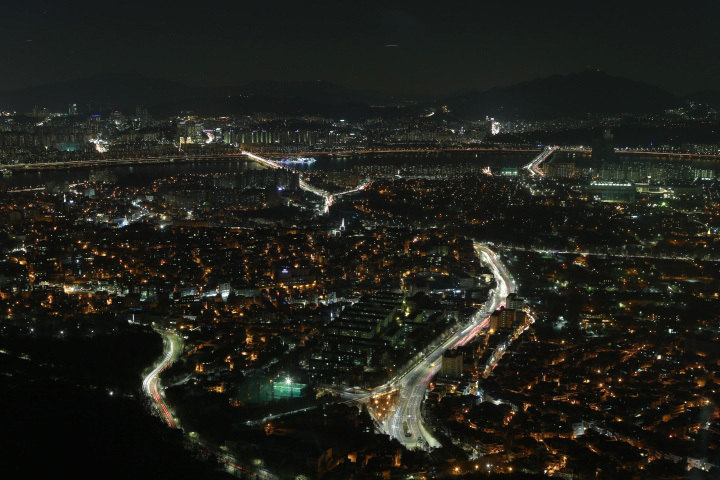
x: 150, y: 383
x: 534, y: 166
x: 405, y: 422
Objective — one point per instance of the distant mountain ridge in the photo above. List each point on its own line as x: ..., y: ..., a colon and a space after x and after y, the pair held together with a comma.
x: 106, y: 91
x: 125, y: 91
x: 708, y: 97
x: 572, y: 95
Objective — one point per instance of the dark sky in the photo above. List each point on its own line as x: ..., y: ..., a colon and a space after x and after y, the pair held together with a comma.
x: 441, y: 46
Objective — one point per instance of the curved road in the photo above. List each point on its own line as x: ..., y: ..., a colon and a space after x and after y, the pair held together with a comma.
x: 173, y: 349
x: 174, y: 345
x: 405, y: 423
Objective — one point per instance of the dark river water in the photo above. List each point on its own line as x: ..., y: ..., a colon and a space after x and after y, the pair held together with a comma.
x: 139, y: 175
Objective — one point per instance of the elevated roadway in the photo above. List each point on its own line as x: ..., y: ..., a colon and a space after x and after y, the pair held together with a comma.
x: 327, y: 197
x: 534, y: 166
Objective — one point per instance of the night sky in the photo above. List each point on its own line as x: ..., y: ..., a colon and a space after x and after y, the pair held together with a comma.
x: 412, y: 47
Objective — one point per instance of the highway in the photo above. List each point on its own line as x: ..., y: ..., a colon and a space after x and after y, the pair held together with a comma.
x: 99, y: 162
x: 534, y: 166
x: 547, y: 251
x: 360, y: 187
x: 405, y: 422
x: 173, y: 349
x: 327, y: 197
x: 106, y: 161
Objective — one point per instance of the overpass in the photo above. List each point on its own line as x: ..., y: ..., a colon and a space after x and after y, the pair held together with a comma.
x: 266, y: 162
x: 534, y: 166
x: 328, y: 198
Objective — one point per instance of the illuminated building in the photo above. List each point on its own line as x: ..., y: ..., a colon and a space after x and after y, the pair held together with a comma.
x: 452, y: 364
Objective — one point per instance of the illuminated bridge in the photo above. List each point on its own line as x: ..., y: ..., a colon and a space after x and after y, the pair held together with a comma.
x: 266, y: 162
x: 534, y: 166
x: 327, y: 197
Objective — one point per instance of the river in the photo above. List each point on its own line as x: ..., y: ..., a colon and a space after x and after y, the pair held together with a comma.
x: 141, y: 175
